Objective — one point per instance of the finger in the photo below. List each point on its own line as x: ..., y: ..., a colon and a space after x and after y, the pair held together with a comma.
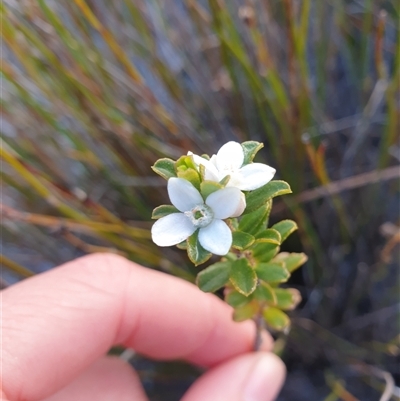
x: 249, y: 377
x: 107, y: 379
x: 58, y: 323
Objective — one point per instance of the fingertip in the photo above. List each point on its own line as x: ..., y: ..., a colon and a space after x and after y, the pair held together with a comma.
x: 250, y: 377
x: 265, y: 378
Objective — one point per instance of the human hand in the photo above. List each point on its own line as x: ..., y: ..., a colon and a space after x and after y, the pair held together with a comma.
x: 58, y: 326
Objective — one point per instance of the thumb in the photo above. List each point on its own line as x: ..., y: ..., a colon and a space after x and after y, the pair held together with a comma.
x: 255, y: 376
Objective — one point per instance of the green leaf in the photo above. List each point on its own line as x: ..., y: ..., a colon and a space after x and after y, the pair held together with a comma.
x: 236, y: 299
x: 287, y: 298
x: 230, y: 256
x: 190, y: 175
x: 197, y: 254
x: 214, y: 277
x: 233, y: 223
x: 165, y: 168
x: 225, y: 180
x: 208, y: 187
x: 285, y: 228
x: 243, y: 277
x: 205, y: 156
x: 185, y: 162
x: 253, y: 222
x: 272, y: 272
x: 265, y: 293
x: 269, y: 235
x: 263, y: 252
x: 292, y: 260
x: 245, y: 312
x: 182, y: 245
x: 250, y: 149
x: 241, y: 240
x: 163, y: 210
x: 276, y: 319
x: 255, y: 199
x: 202, y: 171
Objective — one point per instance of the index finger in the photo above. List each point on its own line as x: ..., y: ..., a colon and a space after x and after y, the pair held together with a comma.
x: 58, y: 323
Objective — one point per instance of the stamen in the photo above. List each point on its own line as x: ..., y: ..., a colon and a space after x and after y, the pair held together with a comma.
x: 200, y: 215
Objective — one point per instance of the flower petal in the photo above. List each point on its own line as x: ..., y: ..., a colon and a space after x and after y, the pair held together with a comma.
x: 216, y: 237
x: 230, y: 157
x: 172, y: 229
x: 252, y: 176
x: 183, y: 195
x: 211, y: 172
x: 213, y: 160
x: 240, y: 206
x: 226, y: 202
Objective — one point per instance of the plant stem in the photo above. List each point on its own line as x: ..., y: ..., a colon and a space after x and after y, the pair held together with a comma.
x: 259, y: 321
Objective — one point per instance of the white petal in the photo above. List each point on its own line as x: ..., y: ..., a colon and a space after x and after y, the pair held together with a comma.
x: 252, y: 176
x: 172, y: 229
x: 183, y: 195
x: 230, y: 157
x: 216, y: 237
x: 226, y: 202
x: 240, y: 207
x: 213, y: 160
x: 211, y: 172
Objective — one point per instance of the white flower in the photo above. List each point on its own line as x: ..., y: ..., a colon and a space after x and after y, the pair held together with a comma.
x: 214, y: 234
x: 229, y: 161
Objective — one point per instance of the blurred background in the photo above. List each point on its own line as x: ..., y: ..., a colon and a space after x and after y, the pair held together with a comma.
x: 94, y: 92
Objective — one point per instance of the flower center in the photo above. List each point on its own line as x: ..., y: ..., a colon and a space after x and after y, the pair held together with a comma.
x: 200, y: 215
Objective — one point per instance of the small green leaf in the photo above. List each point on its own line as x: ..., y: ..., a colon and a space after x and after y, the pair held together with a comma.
x: 236, y: 299
x: 272, y: 272
x: 255, y: 221
x: 185, y: 162
x: 292, y: 260
x: 285, y: 228
x: 208, y: 187
x: 269, y: 235
x: 197, y: 254
x: 225, y: 180
x: 190, y: 175
x: 165, y: 168
x: 276, y: 319
x: 255, y: 199
x: 230, y: 256
x: 182, y: 245
x: 202, y: 171
x: 243, y: 277
x: 205, y: 156
x: 163, y: 210
x: 214, y: 277
x: 241, y: 240
x: 250, y: 149
x: 233, y: 223
x: 264, y: 292
x: 245, y: 312
x: 263, y: 252
x: 287, y: 298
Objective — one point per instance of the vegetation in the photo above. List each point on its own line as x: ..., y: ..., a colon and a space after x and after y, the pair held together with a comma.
x: 95, y: 91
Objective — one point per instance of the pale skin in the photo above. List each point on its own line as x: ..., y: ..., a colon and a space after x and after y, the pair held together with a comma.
x: 58, y: 326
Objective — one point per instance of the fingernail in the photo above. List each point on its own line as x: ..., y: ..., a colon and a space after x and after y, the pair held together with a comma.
x: 265, y: 379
